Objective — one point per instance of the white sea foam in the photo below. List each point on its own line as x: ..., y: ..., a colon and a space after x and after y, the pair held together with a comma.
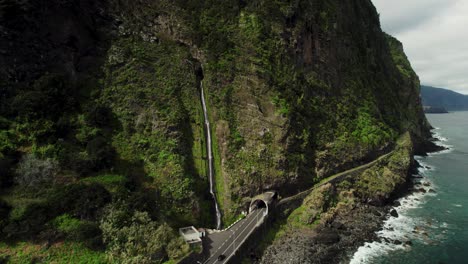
x: 441, y: 141
x: 394, y: 229
x: 424, y: 167
x: 458, y: 205
x: 402, y: 228
x: 439, y: 137
x: 405, y: 227
x: 448, y: 149
x: 369, y: 251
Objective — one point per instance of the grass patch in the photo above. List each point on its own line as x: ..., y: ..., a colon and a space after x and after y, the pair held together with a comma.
x: 218, y: 175
x: 110, y: 181
x: 65, y: 252
x: 20, y: 198
x: 199, y: 145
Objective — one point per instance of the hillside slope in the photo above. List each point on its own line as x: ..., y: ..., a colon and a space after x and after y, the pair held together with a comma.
x: 439, y: 97
x: 102, y: 99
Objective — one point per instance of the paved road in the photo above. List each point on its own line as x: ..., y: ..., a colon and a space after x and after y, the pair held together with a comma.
x: 227, y: 242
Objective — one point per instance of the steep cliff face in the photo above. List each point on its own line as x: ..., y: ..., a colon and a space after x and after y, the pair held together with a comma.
x: 296, y: 91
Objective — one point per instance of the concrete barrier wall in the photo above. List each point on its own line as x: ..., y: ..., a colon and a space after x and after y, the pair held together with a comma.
x: 252, y: 241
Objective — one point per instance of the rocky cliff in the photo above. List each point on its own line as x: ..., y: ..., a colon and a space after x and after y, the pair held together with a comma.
x: 296, y: 91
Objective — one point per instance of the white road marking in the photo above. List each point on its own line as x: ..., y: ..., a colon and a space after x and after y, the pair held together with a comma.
x: 253, y: 218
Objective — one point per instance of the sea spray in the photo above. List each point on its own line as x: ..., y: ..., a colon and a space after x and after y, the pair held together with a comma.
x: 399, y: 232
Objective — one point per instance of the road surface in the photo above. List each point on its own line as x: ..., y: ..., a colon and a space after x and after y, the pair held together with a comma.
x: 227, y: 242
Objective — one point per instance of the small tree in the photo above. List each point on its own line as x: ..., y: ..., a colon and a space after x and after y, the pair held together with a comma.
x: 132, y: 237
x: 33, y: 171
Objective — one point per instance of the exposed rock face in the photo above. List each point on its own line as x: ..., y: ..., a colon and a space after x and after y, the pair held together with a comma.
x: 63, y: 36
x: 354, y: 210
x: 297, y: 91
x: 329, y: 245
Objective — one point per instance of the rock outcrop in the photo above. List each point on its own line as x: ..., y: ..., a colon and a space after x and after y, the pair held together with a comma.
x: 333, y: 221
x: 296, y: 91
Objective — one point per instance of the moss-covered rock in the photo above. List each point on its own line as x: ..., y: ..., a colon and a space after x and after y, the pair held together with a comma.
x: 379, y: 182
x: 296, y: 92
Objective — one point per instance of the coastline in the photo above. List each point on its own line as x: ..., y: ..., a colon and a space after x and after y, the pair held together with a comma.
x: 397, y: 229
x: 345, y: 228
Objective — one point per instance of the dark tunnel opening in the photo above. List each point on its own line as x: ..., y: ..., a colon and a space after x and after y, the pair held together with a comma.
x: 257, y: 204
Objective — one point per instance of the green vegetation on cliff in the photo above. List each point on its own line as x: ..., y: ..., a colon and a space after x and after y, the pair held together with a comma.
x: 101, y: 129
x: 326, y: 207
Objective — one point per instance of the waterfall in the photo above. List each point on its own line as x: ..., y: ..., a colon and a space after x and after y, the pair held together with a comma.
x: 210, y: 157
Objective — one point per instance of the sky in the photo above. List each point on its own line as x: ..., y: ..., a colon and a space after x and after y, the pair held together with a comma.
x: 435, y: 37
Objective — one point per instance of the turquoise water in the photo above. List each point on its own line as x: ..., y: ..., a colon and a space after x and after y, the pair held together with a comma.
x: 433, y: 228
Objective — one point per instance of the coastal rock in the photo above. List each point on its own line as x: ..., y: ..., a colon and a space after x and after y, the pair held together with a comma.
x: 337, y: 225
x: 328, y: 237
x: 394, y: 213
x: 421, y: 190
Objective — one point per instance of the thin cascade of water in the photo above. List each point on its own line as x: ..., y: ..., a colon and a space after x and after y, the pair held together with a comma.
x: 210, y: 157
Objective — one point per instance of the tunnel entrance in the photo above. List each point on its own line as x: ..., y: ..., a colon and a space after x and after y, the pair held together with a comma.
x: 258, y: 204
x: 263, y: 200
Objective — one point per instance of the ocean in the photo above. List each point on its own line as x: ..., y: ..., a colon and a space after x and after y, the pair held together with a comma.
x: 432, y: 227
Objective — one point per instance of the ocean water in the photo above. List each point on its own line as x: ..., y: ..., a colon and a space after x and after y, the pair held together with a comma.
x: 431, y: 227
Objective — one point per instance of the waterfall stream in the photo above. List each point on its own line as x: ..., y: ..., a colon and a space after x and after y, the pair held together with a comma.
x: 210, y: 157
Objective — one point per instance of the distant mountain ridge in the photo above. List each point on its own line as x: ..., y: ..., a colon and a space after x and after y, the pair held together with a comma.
x: 439, y: 97
x: 434, y: 110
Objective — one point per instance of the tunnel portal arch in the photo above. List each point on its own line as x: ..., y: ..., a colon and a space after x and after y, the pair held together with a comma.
x: 263, y: 200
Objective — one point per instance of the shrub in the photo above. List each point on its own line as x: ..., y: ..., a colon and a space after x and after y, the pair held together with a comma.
x: 80, y: 200
x: 33, y: 171
x: 30, y: 222
x: 145, y: 201
x: 78, y: 230
x: 99, y: 116
x: 100, y: 153
x: 135, y: 239
x: 7, y: 142
x: 72, y: 202
x: 177, y: 248
x: 66, y: 224
x: 49, y: 96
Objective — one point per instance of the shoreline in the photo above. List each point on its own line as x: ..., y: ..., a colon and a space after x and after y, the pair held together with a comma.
x: 353, y: 227
x: 418, y: 186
